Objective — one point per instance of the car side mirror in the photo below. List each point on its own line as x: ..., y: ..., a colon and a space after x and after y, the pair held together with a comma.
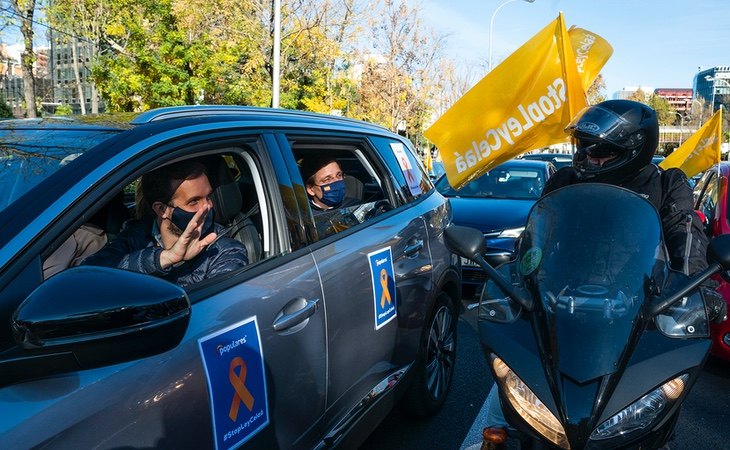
x: 470, y: 243
x: 88, y: 317
x: 718, y: 259
x: 465, y: 241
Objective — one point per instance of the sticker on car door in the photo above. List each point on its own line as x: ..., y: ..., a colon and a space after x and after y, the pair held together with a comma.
x: 234, y: 367
x: 383, y: 277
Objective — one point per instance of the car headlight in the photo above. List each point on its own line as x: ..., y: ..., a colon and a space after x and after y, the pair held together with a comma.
x: 527, y: 405
x: 511, y: 232
x: 642, y: 412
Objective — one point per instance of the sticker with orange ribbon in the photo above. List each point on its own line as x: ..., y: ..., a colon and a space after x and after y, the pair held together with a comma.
x: 383, y: 276
x: 234, y: 367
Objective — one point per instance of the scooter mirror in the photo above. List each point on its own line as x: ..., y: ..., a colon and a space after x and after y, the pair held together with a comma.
x: 465, y: 241
x: 718, y: 251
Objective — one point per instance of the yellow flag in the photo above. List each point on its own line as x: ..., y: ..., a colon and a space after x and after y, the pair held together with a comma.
x: 524, y: 103
x: 591, y: 54
x: 429, y: 161
x: 700, y: 151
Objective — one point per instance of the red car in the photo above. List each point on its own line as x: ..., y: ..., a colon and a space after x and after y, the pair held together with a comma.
x: 711, y: 198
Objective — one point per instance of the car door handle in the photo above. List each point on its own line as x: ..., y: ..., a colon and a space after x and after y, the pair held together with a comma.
x: 303, y: 309
x: 413, y: 249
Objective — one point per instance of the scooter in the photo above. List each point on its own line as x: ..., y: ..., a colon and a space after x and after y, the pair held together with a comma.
x: 593, y: 341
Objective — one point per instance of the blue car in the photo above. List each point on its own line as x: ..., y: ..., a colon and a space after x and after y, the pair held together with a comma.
x: 308, y: 345
x: 497, y: 203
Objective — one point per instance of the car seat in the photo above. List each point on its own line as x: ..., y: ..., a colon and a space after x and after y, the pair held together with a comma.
x: 228, y: 202
x: 353, y: 188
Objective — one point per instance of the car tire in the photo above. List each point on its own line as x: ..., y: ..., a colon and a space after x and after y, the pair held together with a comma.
x: 434, y: 368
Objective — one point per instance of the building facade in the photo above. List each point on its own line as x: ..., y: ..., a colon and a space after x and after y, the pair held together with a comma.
x: 64, y: 70
x: 680, y: 99
x: 712, y: 88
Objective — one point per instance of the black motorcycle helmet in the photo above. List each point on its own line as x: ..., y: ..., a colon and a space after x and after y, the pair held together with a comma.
x: 624, y: 129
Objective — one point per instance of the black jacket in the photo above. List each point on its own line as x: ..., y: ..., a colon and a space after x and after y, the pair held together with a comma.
x: 135, y: 249
x: 669, y: 191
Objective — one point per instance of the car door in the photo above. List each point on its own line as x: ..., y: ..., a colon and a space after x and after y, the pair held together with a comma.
x: 376, y: 279
x: 250, y: 367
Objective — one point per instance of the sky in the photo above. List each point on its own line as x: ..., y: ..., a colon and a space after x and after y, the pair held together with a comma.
x: 656, y: 43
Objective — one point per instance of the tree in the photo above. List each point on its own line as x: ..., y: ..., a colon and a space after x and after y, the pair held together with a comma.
x: 638, y: 96
x: 664, y: 111
x: 24, y: 11
x: 5, y: 111
x: 398, y: 81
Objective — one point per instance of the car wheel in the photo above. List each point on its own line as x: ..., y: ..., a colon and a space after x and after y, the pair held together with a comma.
x: 434, y: 368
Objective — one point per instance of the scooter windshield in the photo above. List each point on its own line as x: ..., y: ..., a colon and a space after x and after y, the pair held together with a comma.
x: 589, y: 254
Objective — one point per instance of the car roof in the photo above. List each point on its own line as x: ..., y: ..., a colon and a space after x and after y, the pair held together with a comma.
x: 217, y: 112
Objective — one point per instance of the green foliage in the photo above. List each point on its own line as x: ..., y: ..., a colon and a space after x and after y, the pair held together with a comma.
x: 6, y: 112
x: 153, y: 53
x: 665, y: 113
x: 63, y: 110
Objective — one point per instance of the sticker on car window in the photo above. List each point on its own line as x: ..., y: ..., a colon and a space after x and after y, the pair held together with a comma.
x: 530, y: 260
x: 234, y: 367
x: 414, y: 183
x: 383, y: 276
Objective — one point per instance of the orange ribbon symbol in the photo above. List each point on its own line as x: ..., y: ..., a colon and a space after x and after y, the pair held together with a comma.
x: 242, y: 394
x: 384, y: 283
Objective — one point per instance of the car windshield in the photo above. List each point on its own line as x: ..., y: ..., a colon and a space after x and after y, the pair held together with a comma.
x: 501, y: 182
x: 28, y: 156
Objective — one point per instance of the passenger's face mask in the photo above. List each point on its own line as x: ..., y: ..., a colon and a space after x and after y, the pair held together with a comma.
x: 333, y: 193
x: 181, y: 218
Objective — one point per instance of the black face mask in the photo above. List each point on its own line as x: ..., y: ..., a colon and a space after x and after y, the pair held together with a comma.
x: 181, y: 218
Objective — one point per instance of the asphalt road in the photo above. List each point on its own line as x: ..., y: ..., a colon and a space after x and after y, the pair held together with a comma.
x: 703, y: 423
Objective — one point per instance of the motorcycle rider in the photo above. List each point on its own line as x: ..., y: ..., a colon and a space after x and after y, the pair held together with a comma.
x: 614, y: 143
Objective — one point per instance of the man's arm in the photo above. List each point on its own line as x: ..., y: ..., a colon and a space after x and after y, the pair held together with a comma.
x: 685, y: 238
x: 226, y: 255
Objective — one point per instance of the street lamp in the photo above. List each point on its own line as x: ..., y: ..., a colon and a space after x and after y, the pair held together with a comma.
x: 275, y: 73
x: 491, y: 23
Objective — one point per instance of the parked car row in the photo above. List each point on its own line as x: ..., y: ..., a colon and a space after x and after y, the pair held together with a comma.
x: 307, y: 346
x: 497, y: 203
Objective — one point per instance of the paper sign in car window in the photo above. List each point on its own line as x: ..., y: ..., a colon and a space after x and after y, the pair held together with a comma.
x: 383, y: 276
x: 234, y: 366
x: 412, y: 177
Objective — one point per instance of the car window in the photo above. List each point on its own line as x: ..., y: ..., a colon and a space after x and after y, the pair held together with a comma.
x: 26, y: 159
x: 241, y: 213
x: 410, y: 175
x: 366, y: 182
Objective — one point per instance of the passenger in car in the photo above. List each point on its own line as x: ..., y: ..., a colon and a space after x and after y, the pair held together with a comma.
x: 174, y: 235
x: 327, y: 189
x: 325, y: 183
x: 85, y: 241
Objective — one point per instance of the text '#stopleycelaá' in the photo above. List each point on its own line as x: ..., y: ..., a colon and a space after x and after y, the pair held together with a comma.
x: 529, y: 115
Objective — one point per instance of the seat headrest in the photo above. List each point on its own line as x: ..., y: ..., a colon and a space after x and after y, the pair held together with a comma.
x: 227, y: 199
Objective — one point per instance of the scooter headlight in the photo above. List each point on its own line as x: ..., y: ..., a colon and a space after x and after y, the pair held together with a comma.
x: 527, y: 405
x: 642, y: 412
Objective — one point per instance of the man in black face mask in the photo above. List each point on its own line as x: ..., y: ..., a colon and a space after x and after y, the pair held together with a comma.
x: 174, y: 236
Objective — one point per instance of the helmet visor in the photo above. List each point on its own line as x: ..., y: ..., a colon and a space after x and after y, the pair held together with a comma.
x: 602, y: 124
x: 597, y: 149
